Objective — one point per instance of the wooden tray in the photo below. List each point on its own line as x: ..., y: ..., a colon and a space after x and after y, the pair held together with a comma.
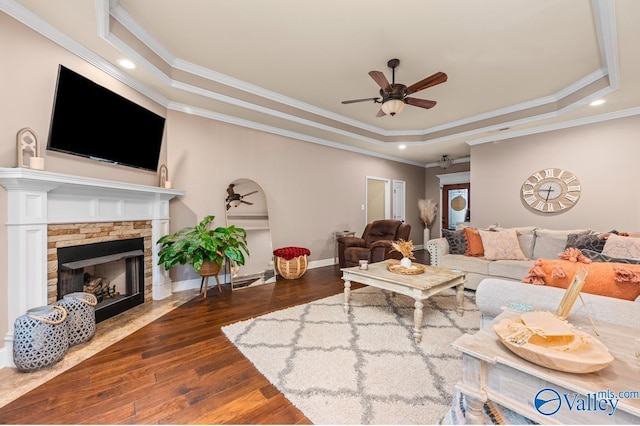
x: 581, y: 354
x: 415, y: 269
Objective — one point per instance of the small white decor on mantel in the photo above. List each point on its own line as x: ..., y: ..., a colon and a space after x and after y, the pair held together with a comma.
x: 28, y: 150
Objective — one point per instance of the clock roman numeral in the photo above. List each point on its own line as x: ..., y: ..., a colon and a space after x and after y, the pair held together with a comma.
x: 527, y: 192
x: 530, y: 199
x: 571, y: 179
x: 573, y: 188
x: 538, y: 176
x: 550, y: 207
x: 562, y: 206
x: 548, y: 173
x: 539, y: 206
x: 571, y: 197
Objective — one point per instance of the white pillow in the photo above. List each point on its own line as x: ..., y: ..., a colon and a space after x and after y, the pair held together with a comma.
x: 551, y: 242
x: 622, y: 247
x: 501, y: 245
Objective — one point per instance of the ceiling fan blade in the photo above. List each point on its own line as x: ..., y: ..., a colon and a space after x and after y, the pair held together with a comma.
x: 382, y: 81
x: 230, y: 189
x: 360, y: 100
x: 228, y: 206
x: 422, y: 103
x: 246, y: 202
x: 252, y: 192
x: 436, y: 78
x: 380, y: 113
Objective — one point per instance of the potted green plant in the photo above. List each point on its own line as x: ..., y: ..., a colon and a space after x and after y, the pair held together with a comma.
x: 205, y: 249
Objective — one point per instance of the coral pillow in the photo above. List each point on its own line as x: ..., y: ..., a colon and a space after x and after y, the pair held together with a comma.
x: 619, y: 280
x: 501, y: 245
x: 474, y: 243
x: 622, y: 247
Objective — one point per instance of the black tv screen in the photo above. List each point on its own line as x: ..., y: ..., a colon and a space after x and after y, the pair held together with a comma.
x: 91, y: 121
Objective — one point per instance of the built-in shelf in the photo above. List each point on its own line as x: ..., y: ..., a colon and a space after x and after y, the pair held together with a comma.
x: 248, y: 216
x: 249, y: 221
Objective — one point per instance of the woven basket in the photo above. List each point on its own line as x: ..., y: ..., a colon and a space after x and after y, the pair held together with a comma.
x: 292, y: 269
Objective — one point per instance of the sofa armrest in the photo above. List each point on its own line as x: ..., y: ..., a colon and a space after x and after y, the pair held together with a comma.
x: 380, y: 250
x: 437, y: 247
x: 351, y: 241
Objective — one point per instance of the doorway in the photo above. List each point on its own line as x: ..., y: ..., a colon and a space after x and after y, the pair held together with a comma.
x: 456, y: 207
x: 378, y: 199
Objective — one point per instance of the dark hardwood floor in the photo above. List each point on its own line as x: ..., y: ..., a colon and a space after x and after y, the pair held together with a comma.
x: 181, y: 368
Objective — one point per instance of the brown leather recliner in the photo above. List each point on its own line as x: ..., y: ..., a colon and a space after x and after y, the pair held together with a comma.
x: 375, y: 243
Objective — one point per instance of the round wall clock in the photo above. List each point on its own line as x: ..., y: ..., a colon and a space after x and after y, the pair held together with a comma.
x: 551, y: 190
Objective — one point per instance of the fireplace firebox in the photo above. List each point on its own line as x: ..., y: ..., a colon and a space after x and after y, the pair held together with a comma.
x: 113, y: 271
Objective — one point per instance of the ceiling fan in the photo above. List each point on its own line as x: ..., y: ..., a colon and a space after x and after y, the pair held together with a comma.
x: 393, y: 96
x: 234, y: 199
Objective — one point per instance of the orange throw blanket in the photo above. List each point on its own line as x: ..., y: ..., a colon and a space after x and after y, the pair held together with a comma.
x: 619, y: 280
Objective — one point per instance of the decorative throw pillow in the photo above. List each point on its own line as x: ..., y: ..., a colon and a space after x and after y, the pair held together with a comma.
x: 550, y: 242
x: 456, y: 240
x: 622, y: 247
x: 526, y: 238
x: 501, y: 245
x: 586, y: 242
x: 606, y: 279
x: 599, y: 257
x: 474, y: 242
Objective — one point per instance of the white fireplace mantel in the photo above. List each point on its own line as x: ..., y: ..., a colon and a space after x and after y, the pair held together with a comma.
x: 38, y: 198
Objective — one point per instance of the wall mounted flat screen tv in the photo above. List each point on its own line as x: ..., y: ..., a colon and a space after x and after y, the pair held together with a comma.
x: 92, y: 121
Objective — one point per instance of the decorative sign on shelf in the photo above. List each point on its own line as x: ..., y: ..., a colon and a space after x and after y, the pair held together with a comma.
x: 163, y: 174
x: 28, y: 150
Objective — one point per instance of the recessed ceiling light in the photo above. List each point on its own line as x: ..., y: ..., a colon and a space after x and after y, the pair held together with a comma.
x: 403, y: 146
x: 597, y: 102
x: 126, y: 63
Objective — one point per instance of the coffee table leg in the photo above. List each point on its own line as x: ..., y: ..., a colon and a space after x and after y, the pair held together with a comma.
x: 417, y: 321
x: 460, y: 298
x: 347, y: 294
x: 475, y: 408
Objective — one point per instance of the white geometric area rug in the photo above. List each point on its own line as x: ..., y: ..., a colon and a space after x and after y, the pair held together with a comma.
x: 363, y: 367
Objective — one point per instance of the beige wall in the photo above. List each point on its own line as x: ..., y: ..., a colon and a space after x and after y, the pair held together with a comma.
x: 311, y: 190
x: 604, y: 156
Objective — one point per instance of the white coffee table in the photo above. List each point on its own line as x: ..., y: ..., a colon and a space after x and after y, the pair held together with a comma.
x: 491, y: 372
x: 419, y: 287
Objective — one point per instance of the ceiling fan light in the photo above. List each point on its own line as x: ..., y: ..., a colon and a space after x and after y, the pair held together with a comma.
x: 392, y: 106
x: 235, y: 203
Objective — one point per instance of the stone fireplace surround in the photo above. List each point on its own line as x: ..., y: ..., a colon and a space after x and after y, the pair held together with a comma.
x: 39, y: 203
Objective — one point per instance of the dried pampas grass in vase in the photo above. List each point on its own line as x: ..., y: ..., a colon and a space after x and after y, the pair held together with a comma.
x: 428, y: 209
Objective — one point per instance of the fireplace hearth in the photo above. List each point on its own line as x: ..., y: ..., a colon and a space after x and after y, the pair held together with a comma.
x: 113, y: 271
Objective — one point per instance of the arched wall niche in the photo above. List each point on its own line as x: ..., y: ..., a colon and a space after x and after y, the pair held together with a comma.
x: 246, y: 207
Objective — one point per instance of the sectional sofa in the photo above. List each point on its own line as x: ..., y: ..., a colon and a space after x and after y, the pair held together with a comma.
x: 534, y: 243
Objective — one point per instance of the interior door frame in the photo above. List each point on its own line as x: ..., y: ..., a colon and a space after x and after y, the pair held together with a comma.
x: 387, y: 197
x: 451, y: 179
x: 399, y: 200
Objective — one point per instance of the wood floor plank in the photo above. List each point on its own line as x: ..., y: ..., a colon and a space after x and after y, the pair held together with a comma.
x: 179, y: 369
